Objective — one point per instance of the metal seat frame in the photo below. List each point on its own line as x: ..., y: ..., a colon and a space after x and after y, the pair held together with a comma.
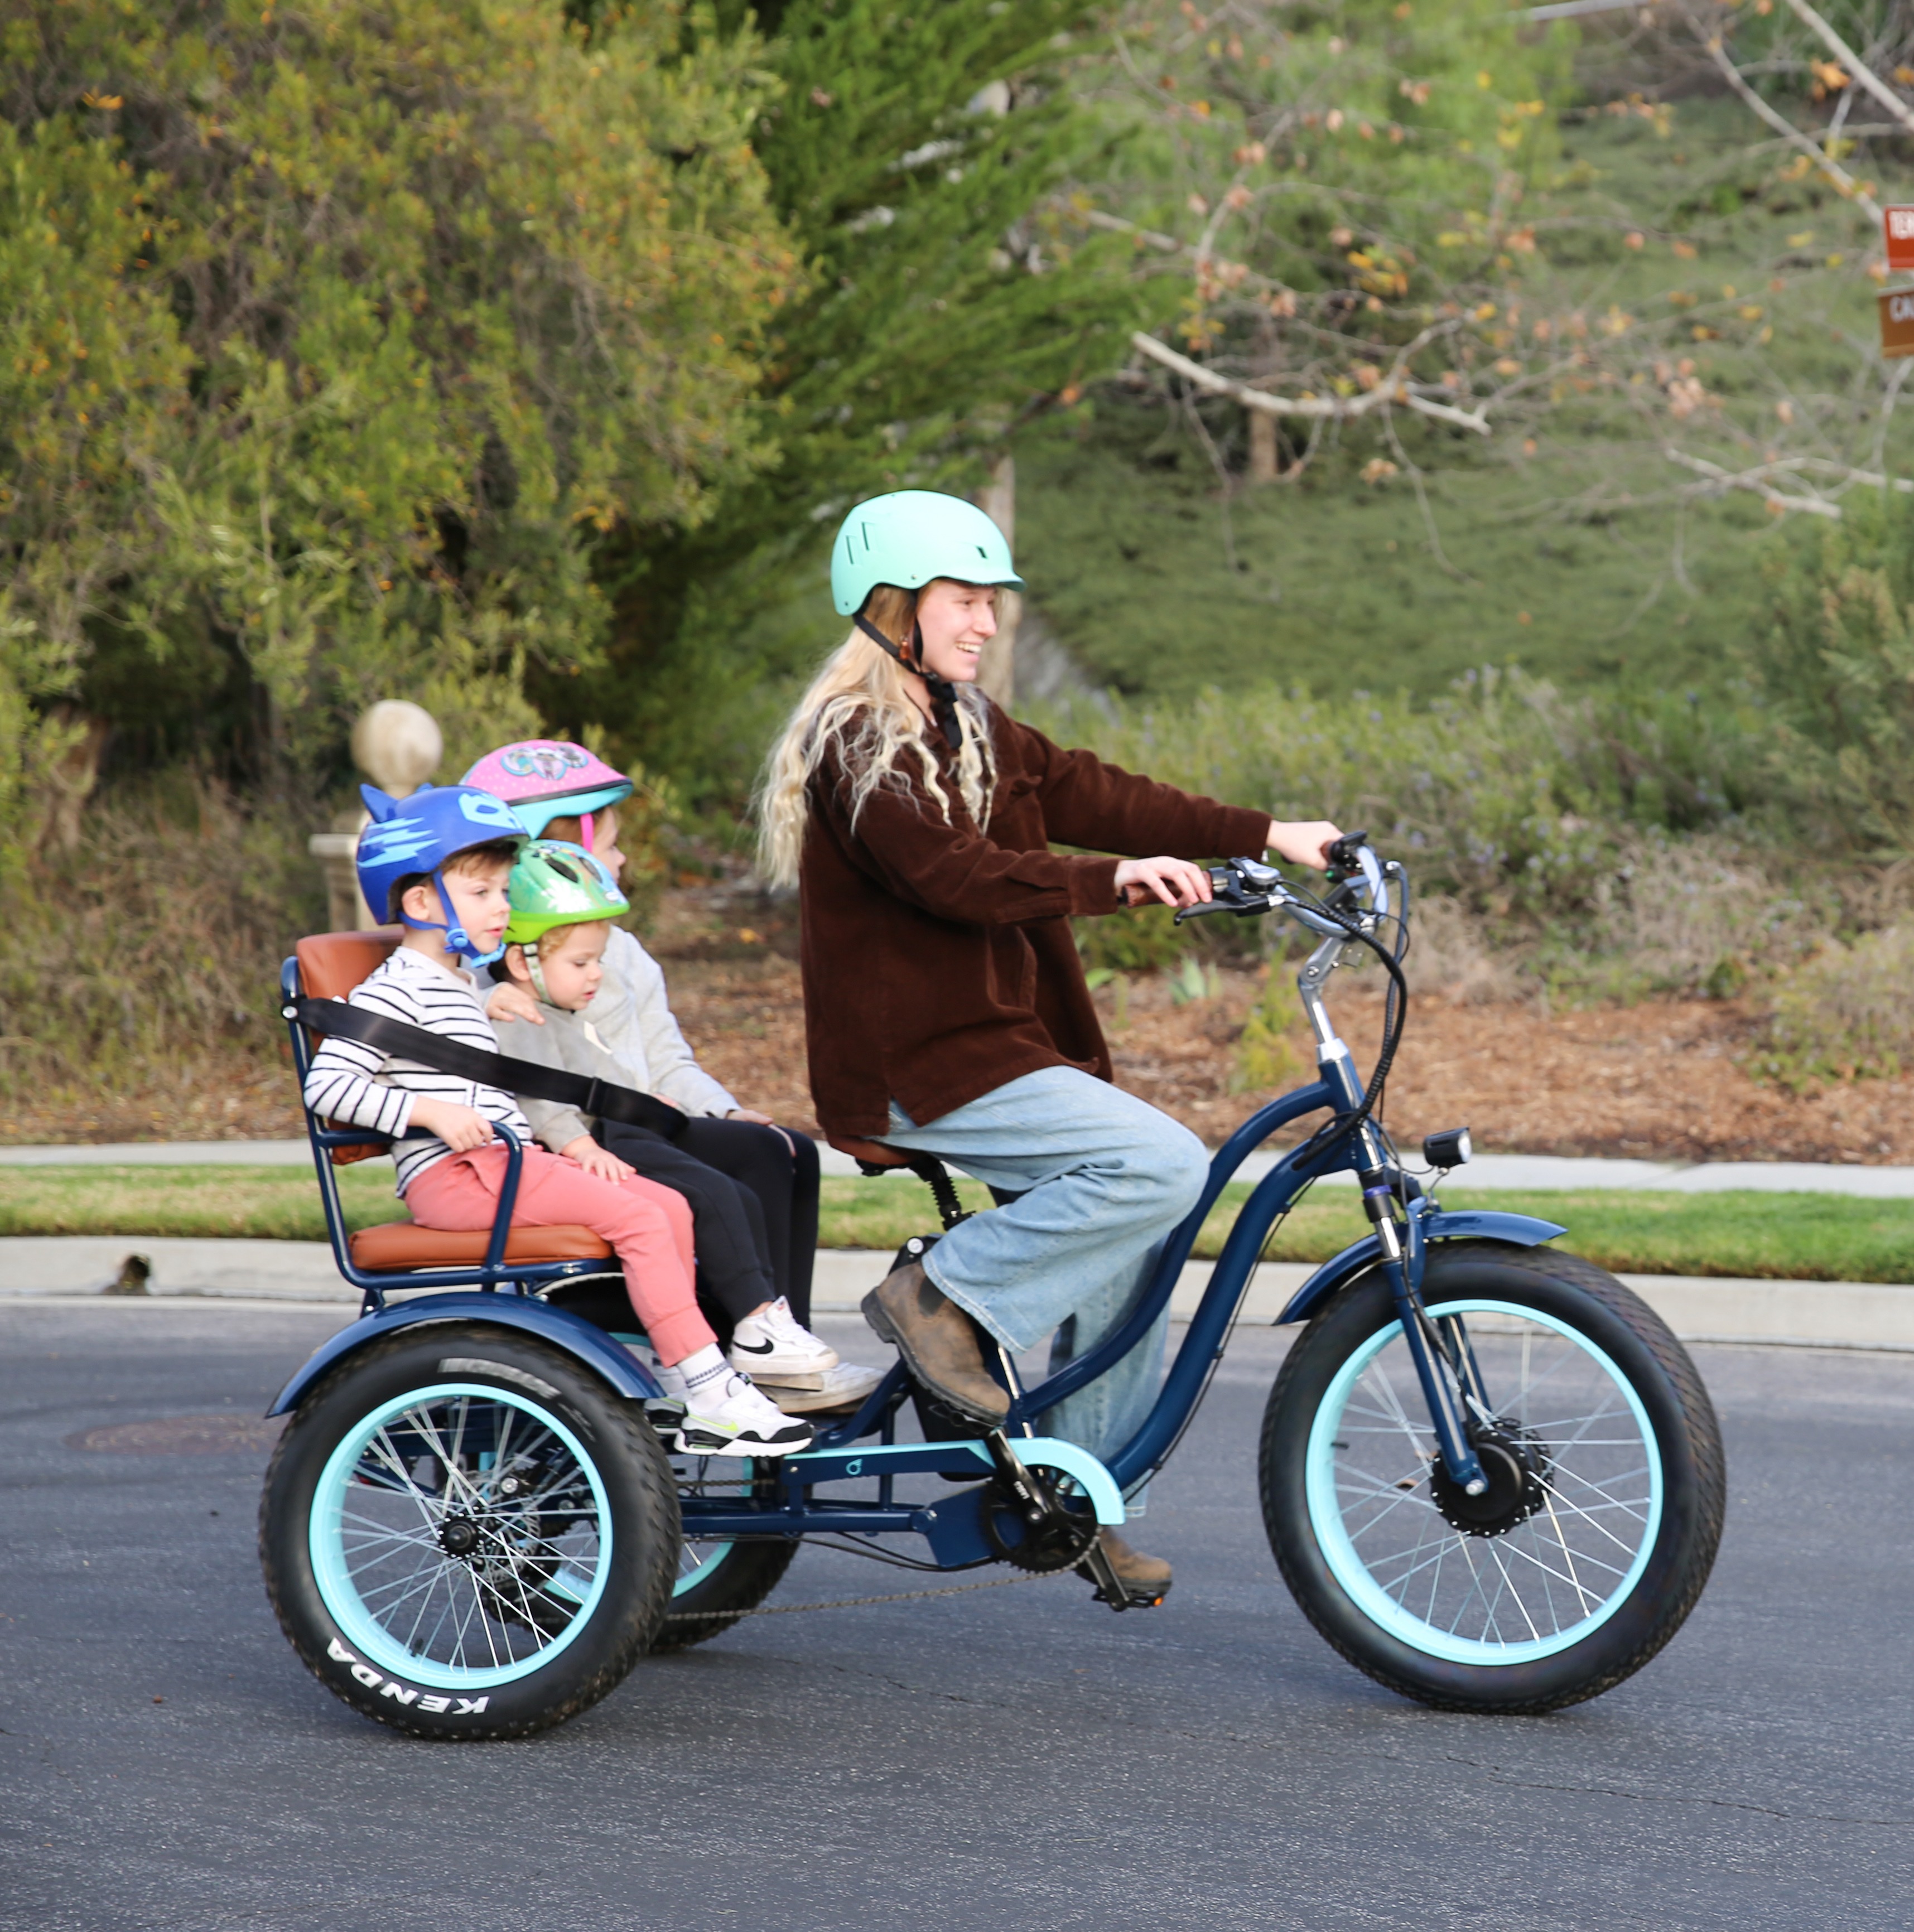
x: 489, y: 1276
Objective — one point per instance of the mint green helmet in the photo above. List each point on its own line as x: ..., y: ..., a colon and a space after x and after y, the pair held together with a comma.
x: 911, y: 537
x: 556, y: 884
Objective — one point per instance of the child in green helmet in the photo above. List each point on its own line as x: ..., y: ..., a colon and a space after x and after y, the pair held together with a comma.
x: 563, y: 902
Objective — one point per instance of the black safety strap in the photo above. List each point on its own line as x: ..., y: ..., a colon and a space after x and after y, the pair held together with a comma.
x: 600, y: 1097
x: 943, y: 693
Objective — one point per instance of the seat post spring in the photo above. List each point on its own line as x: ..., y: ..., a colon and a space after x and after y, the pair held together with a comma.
x: 932, y: 1173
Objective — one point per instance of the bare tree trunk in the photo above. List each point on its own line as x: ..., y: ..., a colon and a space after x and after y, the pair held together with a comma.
x: 996, y: 676
x: 71, y: 778
x: 1262, y: 447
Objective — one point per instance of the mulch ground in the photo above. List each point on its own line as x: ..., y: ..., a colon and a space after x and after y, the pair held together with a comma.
x: 1664, y: 1080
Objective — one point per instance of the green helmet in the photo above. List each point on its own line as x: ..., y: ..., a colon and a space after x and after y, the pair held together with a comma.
x: 556, y: 884
x: 909, y: 538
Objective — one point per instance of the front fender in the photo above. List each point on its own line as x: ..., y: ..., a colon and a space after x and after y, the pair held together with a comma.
x: 563, y: 1330
x: 1466, y: 1224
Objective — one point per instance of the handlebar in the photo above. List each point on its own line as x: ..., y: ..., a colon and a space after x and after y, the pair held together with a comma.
x: 1249, y: 888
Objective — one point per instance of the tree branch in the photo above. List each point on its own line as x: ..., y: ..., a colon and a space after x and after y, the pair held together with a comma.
x: 1757, y: 479
x: 1394, y: 387
x: 1857, y: 67
x: 1786, y: 128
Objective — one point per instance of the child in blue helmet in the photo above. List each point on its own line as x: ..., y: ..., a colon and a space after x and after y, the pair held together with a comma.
x: 439, y: 862
x: 731, y: 1162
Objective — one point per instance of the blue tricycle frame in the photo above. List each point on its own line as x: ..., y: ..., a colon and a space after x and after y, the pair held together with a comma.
x: 1482, y: 1472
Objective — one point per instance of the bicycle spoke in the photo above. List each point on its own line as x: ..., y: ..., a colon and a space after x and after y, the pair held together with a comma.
x: 1572, y: 1534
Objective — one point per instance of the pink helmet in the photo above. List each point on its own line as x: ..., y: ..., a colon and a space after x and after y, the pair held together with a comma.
x: 544, y: 779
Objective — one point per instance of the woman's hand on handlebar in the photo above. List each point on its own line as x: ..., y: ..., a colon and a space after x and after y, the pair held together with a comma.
x: 1175, y: 882
x: 1301, y: 842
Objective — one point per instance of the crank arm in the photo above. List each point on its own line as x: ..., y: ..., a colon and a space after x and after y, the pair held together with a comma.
x: 1037, y: 1504
x: 1110, y: 1588
x: 1034, y: 1502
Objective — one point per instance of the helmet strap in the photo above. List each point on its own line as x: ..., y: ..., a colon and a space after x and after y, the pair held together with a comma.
x: 943, y: 693
x: 535, y: 966
x: 457, y: 939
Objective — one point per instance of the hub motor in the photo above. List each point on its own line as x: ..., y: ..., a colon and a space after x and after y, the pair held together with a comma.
x: 1515, y: 1464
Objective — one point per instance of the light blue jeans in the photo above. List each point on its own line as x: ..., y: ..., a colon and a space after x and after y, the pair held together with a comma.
x: 1103, y: 1179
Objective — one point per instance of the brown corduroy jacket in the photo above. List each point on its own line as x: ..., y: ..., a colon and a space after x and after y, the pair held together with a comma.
x: 939, y: 962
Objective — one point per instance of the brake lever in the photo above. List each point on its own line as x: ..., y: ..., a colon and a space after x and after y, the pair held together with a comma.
x: 1205, y: 908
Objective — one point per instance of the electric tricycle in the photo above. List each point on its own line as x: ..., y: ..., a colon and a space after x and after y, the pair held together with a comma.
x: 1489, y: 1475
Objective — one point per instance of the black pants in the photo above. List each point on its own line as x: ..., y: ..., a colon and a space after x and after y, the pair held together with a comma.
x: 754, y: 1208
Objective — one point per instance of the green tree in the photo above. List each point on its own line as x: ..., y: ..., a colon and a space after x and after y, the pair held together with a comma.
x: 913, y: 153
x: 1836, y: 665
x: 337, y: 336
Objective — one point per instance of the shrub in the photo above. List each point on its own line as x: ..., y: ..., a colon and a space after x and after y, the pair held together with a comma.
x: 1847, y: 1014
x: 1269, y: 1054
x: 1836, y: 668
x: 150, y: 957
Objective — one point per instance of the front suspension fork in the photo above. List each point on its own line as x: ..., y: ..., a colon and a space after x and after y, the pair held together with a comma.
x: 1404, y: 1262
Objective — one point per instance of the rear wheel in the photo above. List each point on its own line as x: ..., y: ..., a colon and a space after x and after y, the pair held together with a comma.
x: 467, y: 1535
x: 1606, y: 1484
x: 718, y: 1582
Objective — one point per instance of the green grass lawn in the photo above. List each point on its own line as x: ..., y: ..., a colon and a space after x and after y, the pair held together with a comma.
x: 1787, y: 1236
x: 1803, y: 1236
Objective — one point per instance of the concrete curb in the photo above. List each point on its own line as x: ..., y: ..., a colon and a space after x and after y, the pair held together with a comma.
x: 67, y: 1269
x: 1538, y: 1172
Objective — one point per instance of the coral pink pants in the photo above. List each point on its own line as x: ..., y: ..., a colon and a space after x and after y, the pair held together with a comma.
x: 649, y: 1225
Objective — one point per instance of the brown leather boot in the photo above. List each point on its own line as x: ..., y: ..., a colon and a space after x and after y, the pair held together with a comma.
x: 1145, y: 1576
x: 938, y: 1345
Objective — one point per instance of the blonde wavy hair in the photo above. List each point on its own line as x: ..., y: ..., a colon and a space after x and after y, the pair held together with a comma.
x: 858, y: 709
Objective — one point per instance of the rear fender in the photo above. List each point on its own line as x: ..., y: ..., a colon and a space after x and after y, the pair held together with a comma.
x: 1520, y: 1231
x: 592, y: 1347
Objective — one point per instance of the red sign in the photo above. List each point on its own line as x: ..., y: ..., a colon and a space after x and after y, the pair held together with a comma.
x: 1897, y: 323
x: 1897, y: 227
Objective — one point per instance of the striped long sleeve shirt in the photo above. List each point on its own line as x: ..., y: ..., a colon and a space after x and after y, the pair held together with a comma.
x: 359, y: 1086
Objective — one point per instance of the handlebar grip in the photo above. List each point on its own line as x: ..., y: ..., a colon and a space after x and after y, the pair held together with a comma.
x: 1343, y: 851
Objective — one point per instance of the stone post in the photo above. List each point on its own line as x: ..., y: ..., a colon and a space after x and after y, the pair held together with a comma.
x: 398, y: 745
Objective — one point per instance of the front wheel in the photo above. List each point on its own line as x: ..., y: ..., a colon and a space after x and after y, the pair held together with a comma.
x: 466, y: 1534
x: 1607, y: 1484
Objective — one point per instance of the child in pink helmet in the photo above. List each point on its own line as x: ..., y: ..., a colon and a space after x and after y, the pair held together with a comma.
x: 730, y: 1159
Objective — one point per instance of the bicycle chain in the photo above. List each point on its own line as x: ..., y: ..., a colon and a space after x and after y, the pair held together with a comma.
x: 857, y: 1603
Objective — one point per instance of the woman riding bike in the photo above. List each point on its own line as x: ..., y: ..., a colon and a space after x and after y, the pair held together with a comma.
x: 945, y: 1006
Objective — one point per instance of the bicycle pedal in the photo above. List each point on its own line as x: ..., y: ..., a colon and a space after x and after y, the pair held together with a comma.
x: 1127, y: 1599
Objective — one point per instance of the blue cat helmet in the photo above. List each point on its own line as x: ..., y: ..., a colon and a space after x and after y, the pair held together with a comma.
x: 421, y: 834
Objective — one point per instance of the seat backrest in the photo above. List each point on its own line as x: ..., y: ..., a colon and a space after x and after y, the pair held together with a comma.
x: 331, y: 964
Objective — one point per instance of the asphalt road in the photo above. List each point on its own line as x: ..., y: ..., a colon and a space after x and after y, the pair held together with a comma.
x: 1017, y: 1759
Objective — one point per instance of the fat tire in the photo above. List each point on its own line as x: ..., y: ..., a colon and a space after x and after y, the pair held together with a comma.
x: 1694, y: 1477
x: 643, y: 1509
x: 749, y: 1573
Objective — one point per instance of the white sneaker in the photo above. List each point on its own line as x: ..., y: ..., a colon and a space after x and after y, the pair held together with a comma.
x: 663, y: 1411
x: 736, y: 1420
x: 773, y: 1346
x: 843, y: 1388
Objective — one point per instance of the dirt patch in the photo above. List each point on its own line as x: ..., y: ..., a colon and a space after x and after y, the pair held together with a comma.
x: 229, y: 1097
x: 1659, y: 1081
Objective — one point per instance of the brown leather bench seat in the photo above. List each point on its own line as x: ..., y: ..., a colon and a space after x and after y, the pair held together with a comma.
x: 404, y: 1244
x: 875, y: 1152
